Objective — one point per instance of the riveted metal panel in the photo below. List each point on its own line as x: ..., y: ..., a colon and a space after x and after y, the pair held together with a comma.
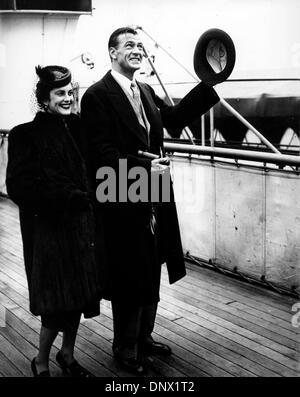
x: 283, y: 228
x: 3, y: 163
x: 240, y: 218
x: 243, y: 217
x: 194, y: 193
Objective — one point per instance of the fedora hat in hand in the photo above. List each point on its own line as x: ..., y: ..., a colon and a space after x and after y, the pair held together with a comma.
x: 214, y: 56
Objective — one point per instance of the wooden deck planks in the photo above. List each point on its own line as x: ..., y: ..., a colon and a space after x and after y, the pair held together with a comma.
x: 262, y: 323
x: 217, y: 326
x: 240, y: 334
x: 228, y: 340
x: 7, y: 369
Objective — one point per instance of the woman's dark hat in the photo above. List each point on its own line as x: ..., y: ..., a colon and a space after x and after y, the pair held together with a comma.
x: 53, y: 76
x: 214, y: 56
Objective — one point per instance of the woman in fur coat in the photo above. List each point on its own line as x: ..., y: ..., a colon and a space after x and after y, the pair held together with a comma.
x: 46, y: 178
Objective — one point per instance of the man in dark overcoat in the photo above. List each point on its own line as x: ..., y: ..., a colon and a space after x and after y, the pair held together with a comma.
x: 121, y: 117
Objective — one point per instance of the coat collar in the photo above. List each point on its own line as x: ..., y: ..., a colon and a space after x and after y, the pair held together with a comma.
x: 57, y: 119
x: 47, y: 128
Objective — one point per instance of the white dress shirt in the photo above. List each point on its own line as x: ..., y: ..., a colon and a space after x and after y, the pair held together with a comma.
x: 123, y: 81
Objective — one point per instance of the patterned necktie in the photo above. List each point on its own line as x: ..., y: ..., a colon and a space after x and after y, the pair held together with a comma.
x: 136, y: 94
x: 137, y: 103
x: 139, y: 112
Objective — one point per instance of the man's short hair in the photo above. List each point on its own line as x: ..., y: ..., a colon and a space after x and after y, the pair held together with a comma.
x: 113, y: 40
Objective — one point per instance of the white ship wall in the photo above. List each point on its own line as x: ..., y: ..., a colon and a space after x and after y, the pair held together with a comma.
x: 28, y: 40
x: 240, y: 217
x: 266, y: 34
x: 243, y: 218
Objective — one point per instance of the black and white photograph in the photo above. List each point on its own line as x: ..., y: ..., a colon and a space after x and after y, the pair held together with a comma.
x: 149, y: 191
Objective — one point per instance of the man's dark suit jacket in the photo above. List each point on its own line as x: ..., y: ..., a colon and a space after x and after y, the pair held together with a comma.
x: 113, y: 132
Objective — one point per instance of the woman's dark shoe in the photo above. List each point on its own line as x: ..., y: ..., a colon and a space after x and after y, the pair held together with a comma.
x: 43, y: 374
x: 75, y: 369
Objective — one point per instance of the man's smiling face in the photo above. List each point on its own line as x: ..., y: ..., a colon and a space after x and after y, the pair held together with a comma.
x: 128, y: 55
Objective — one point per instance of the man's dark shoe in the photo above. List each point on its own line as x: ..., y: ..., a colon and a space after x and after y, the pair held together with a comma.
x: 131, y: 365
x: 157, y: 348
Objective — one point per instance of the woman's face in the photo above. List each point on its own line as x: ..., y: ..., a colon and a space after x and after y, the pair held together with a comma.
x: 60, y: 100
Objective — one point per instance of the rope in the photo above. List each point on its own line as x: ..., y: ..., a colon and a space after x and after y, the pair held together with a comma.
x: 235, y: 273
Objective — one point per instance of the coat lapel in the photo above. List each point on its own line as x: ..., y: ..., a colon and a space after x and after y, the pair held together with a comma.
x: 151, y: 110
x: 123, y: 108
x: 153, y: 116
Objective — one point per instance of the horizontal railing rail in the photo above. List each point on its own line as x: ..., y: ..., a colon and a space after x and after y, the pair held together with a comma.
x: 236, y: 154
